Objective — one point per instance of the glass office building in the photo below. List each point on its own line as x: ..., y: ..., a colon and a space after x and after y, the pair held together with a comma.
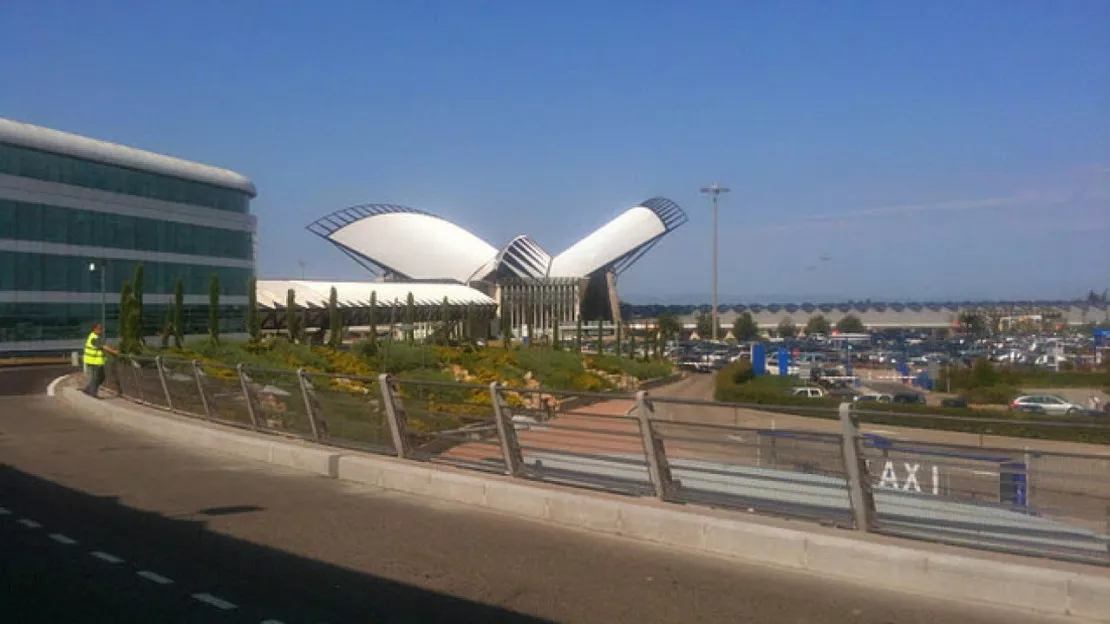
x: 76, y: 217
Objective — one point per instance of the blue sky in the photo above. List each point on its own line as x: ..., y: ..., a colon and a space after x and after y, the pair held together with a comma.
x: 931, y: 149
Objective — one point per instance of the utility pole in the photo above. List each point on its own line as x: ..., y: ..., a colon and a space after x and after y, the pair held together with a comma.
x: 714, y: 191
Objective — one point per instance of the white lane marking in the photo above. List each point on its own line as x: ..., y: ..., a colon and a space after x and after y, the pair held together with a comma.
x: 103, y: 556
x: 63, y: 539
x: 272, y: 622
x: 29, y: 523
x: 5, y: 512
x: 214, y: 601
x: 53, y: 387
x: 154, y: 577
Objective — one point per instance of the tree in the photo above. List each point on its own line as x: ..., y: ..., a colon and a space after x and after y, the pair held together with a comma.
x: 335, y: 320
x: 818, y: 325
x: 578, y: 336
x: 254, y: 320
x: 787, y: 328
x: 632, y: 344
x: 600, y: 337
x: 137, y: 292
x: 556, y: 338
x: 372, y: 320
x: 620, y: 338
x: 745, y: 329
x: 178, y: 313
x: 705, y: 325
x: 469, y: 322
x: 670, y: 326
x: 167, y: 328
x: 214, y: 308
x: 851, y: 324
x: 444, y: 320
x: 125, y: 301
x: 972, y: 322
x: 291, y: 318
x: 410, y: 318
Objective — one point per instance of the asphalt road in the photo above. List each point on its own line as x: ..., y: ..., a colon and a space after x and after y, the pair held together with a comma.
x: 102, y: 525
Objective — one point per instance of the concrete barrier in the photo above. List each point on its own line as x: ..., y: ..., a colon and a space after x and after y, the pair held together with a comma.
x: 1010, y: 582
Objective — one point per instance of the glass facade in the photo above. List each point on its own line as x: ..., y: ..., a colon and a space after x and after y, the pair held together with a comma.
x: 39, y: 165
x: 58, y: 298
x: 35, y: 322
x: 52, y: 224
x: 29, y: 272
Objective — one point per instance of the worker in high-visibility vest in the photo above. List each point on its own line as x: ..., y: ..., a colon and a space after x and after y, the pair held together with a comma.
x: 95, y: 360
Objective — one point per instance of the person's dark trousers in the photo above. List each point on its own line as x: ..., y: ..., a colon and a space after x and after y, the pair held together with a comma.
x: 96, y: 377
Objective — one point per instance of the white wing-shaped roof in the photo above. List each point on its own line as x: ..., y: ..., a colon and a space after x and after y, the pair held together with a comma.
x: 620, y: 241
x: 272, y: 293
x: 406, y: 241
x: 66, y: 144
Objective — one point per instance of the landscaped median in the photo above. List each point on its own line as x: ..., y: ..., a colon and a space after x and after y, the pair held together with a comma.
x: 1052, y: 588
x: 736, y: 383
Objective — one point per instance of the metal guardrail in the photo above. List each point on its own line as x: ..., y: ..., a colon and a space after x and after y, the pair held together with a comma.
x: 754, y: 458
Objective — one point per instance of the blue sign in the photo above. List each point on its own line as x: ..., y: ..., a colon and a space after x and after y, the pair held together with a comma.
x: 759, y: 359
x: 784, y: 361
x: 1012, y: 484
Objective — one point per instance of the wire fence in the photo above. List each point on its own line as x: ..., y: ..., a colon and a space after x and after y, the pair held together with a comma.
x: 836, y: 469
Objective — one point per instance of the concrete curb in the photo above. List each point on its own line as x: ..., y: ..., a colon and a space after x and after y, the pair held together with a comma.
x: 946, y: 576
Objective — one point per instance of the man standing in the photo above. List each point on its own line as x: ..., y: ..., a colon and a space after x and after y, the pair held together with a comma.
x: 95, y: 360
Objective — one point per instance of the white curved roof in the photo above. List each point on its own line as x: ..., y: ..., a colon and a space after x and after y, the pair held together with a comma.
x: 64, y: 143
x: 619, y: 239
x: 272, y: 293
x: 408, y: 242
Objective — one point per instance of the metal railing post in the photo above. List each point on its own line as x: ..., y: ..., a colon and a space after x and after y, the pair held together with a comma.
x: 859, y: 480
x: 659, y: 469
x: 200, y: 389
x: 395, y: 414
x: 243, y: 383
x: 506, y: 433
x: 306, y: 392
x: 165, y: 384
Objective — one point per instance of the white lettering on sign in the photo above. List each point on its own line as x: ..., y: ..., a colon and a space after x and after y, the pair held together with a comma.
x: 911, y: 478
x: 891, y: 479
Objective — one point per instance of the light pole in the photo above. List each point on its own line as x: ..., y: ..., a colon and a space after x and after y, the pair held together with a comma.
x: 714, y: 191
x: 103, y: 266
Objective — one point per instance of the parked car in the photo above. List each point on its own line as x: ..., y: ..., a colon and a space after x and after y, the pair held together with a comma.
x: 874, y: 397
x: 1048, y: 403
x: 910, y: 398
x: 953, y: 402
x: 810, y: 392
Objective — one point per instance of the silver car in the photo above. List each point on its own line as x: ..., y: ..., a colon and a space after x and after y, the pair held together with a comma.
x: 1048, y: 403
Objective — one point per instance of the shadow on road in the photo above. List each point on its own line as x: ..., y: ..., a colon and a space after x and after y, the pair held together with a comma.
x: 291, y: 587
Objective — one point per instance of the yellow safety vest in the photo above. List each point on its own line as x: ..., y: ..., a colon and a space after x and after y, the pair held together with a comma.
x: 94, y: 356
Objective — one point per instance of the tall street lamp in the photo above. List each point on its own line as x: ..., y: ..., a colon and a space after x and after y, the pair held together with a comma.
x: 103, y: 268
x: 714, y: 191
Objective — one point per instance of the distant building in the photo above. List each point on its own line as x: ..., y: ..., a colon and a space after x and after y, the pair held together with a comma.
x: 534, y: 290
x: 72, y: 207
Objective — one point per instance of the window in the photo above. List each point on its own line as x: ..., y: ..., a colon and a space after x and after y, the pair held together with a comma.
x: 53, y: 224
x: 31, y: 272
x: 30, y: 163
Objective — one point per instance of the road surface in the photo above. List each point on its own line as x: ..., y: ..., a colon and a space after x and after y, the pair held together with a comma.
x: 103, y: 525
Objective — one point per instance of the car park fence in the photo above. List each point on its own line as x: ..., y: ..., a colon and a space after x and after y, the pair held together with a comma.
x: 751, y: 458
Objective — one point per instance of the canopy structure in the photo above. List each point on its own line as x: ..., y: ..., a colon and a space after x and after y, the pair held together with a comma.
x: 412, y: 244
x: 353, y: 298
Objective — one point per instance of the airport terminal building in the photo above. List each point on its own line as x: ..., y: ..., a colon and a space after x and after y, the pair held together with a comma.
x: 77, y: 215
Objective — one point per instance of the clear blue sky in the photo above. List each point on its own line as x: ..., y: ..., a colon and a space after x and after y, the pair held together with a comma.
x: 931, y: 149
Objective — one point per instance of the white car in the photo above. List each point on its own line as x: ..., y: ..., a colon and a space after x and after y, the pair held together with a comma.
x: 809, y: 392
x: 1048, y: 403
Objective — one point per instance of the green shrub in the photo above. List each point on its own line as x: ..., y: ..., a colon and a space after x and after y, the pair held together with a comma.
x: 396, y: 357
x: 990, y: 395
